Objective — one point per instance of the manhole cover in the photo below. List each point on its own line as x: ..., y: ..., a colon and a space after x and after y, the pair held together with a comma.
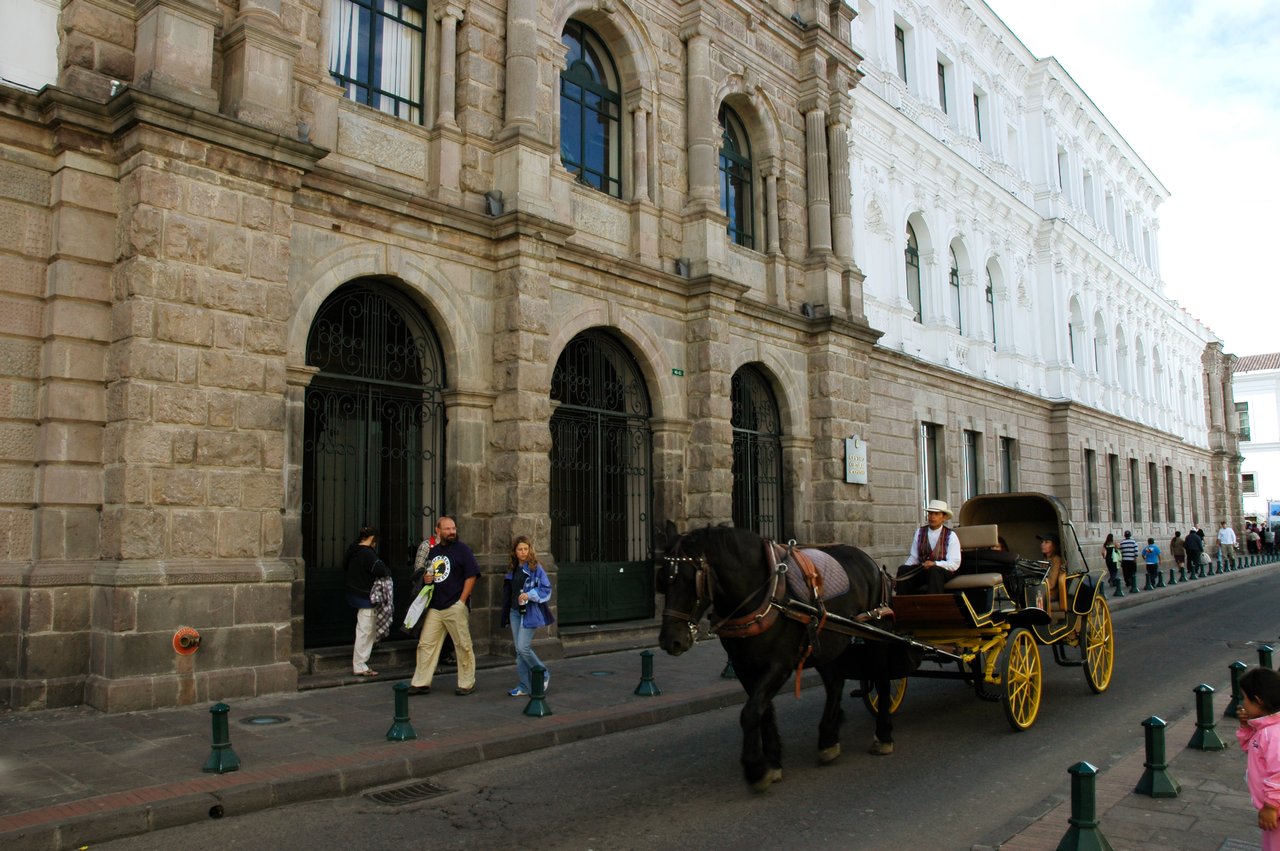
x: 264, y: 720
x: 410, y: 794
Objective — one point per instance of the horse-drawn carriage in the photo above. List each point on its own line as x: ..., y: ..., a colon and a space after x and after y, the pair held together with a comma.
x: 780, y: 609
x: 987, y: 629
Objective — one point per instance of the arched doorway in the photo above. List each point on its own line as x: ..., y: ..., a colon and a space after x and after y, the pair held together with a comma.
x: 757, y: 455
x: 373, y: 444
x: 601, y: 458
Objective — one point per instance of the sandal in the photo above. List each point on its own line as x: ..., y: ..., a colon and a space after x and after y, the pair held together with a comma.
x: 370, y: 673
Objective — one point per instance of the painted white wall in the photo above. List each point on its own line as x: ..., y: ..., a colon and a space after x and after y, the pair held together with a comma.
x: 1000, y: 199
x: 1261, y: 389
x: 29, y: 42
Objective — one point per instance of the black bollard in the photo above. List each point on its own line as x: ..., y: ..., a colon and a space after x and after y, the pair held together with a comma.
x: 401, y: 730
x: 1264, y: 655
x: 1172, y: 579
x: 222, y: 758
x: 1083, y: 835
x: 728, y: 673
x: 647, y: 687
x: 1205, y: 738
x: 537, y: 706
x: 1233, y: 706
x: 1156, y: 781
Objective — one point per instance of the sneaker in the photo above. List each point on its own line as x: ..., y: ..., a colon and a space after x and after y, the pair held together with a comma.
x: 463, y: 692
x: 518, y: 692
x: 546, y: 682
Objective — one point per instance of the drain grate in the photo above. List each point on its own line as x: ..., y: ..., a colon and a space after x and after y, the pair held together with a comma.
x: 411, y: 794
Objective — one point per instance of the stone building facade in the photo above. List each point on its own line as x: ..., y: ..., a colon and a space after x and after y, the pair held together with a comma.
x: 271, y: 269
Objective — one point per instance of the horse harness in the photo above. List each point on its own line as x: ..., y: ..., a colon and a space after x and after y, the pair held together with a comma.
x: 775, y: 601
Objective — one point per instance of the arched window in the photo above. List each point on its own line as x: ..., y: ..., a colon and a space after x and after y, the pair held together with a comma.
x: 913, y: 273
x: 954, y: 280
x: 736, y: 185
x: 757, y: 455
x: 590, y: 112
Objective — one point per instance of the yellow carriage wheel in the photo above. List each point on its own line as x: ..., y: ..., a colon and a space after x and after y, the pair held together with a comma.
x: 871, y: 697
x: 1022, y: 679
x: 1098, y: 646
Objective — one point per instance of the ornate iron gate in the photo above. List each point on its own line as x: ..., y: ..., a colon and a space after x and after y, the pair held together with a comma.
x: 757, y: 455
x: 601, y: 454
x: 373, y: 445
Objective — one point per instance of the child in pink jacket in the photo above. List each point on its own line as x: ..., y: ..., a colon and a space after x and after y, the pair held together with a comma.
x: 1259, y: 736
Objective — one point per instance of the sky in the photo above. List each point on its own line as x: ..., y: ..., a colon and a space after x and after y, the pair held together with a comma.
x: 1191, y: 86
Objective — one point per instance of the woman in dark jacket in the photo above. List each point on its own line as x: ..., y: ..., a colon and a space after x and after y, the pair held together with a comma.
x: 362, y: 567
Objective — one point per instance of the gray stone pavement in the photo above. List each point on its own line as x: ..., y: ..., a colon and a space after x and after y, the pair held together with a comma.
x: 71, y: 777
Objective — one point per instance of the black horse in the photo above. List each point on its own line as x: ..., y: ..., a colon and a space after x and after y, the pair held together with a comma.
x: 729, y: 571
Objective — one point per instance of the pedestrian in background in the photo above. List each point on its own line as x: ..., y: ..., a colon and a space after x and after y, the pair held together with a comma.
x: 1195, y: 552
x: 1259, y: 737
x: 1151, y: 556
x: 361, y: 568
x: 525, y: 591
x: 1178, y: 549
x: 1111, y: 557
x: 1129, y: 561
x: 1226, y: 545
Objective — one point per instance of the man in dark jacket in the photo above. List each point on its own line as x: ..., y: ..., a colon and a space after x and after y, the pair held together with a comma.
x: 1195, y: 549
x: 362, y: 567
x: 452, y: 566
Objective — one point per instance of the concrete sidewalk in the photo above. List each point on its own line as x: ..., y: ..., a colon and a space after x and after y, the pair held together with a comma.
x: 76, y: 776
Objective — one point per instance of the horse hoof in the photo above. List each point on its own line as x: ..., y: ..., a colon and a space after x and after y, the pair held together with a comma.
x: 826, y: 756
x: 879, y: 748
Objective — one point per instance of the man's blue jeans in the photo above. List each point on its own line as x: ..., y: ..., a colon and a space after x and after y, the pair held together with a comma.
x: 526, y: 659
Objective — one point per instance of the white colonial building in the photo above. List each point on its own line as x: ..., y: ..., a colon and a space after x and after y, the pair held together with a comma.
x: 1256, y: 389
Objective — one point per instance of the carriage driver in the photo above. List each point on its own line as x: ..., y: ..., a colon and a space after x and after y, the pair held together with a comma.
x: 934, y: 556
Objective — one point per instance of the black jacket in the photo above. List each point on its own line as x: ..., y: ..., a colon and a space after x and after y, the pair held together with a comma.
x: 361, y: 568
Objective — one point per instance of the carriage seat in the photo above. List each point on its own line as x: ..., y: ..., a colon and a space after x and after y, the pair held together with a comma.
x: 982, y: 537
x: 973, y: 580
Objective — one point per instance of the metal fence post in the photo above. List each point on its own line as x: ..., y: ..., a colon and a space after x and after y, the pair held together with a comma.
x: 647, y: 687
x: 1205, y: 738
x: 222, y: 758
x: 1156, y: 781
x: 1083, y: 835
x: 401, y: 730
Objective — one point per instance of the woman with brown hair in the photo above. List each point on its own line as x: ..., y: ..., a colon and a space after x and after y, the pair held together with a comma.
x: 525, y: 591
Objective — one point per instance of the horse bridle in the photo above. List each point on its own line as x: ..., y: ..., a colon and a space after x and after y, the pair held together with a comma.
x: 704, y: 596
x: 701, y: 585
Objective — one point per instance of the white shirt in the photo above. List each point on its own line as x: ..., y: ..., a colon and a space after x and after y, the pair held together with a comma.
x: 951, y: 562
x: 1227, y: 536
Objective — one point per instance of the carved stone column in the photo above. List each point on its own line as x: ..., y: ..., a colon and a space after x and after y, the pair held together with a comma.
x: 522, y: 65
x: 700, y: 116
x: 446, y: 154
x: 841, y: 192
x: 448, y: 18
x: 818, y: 184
